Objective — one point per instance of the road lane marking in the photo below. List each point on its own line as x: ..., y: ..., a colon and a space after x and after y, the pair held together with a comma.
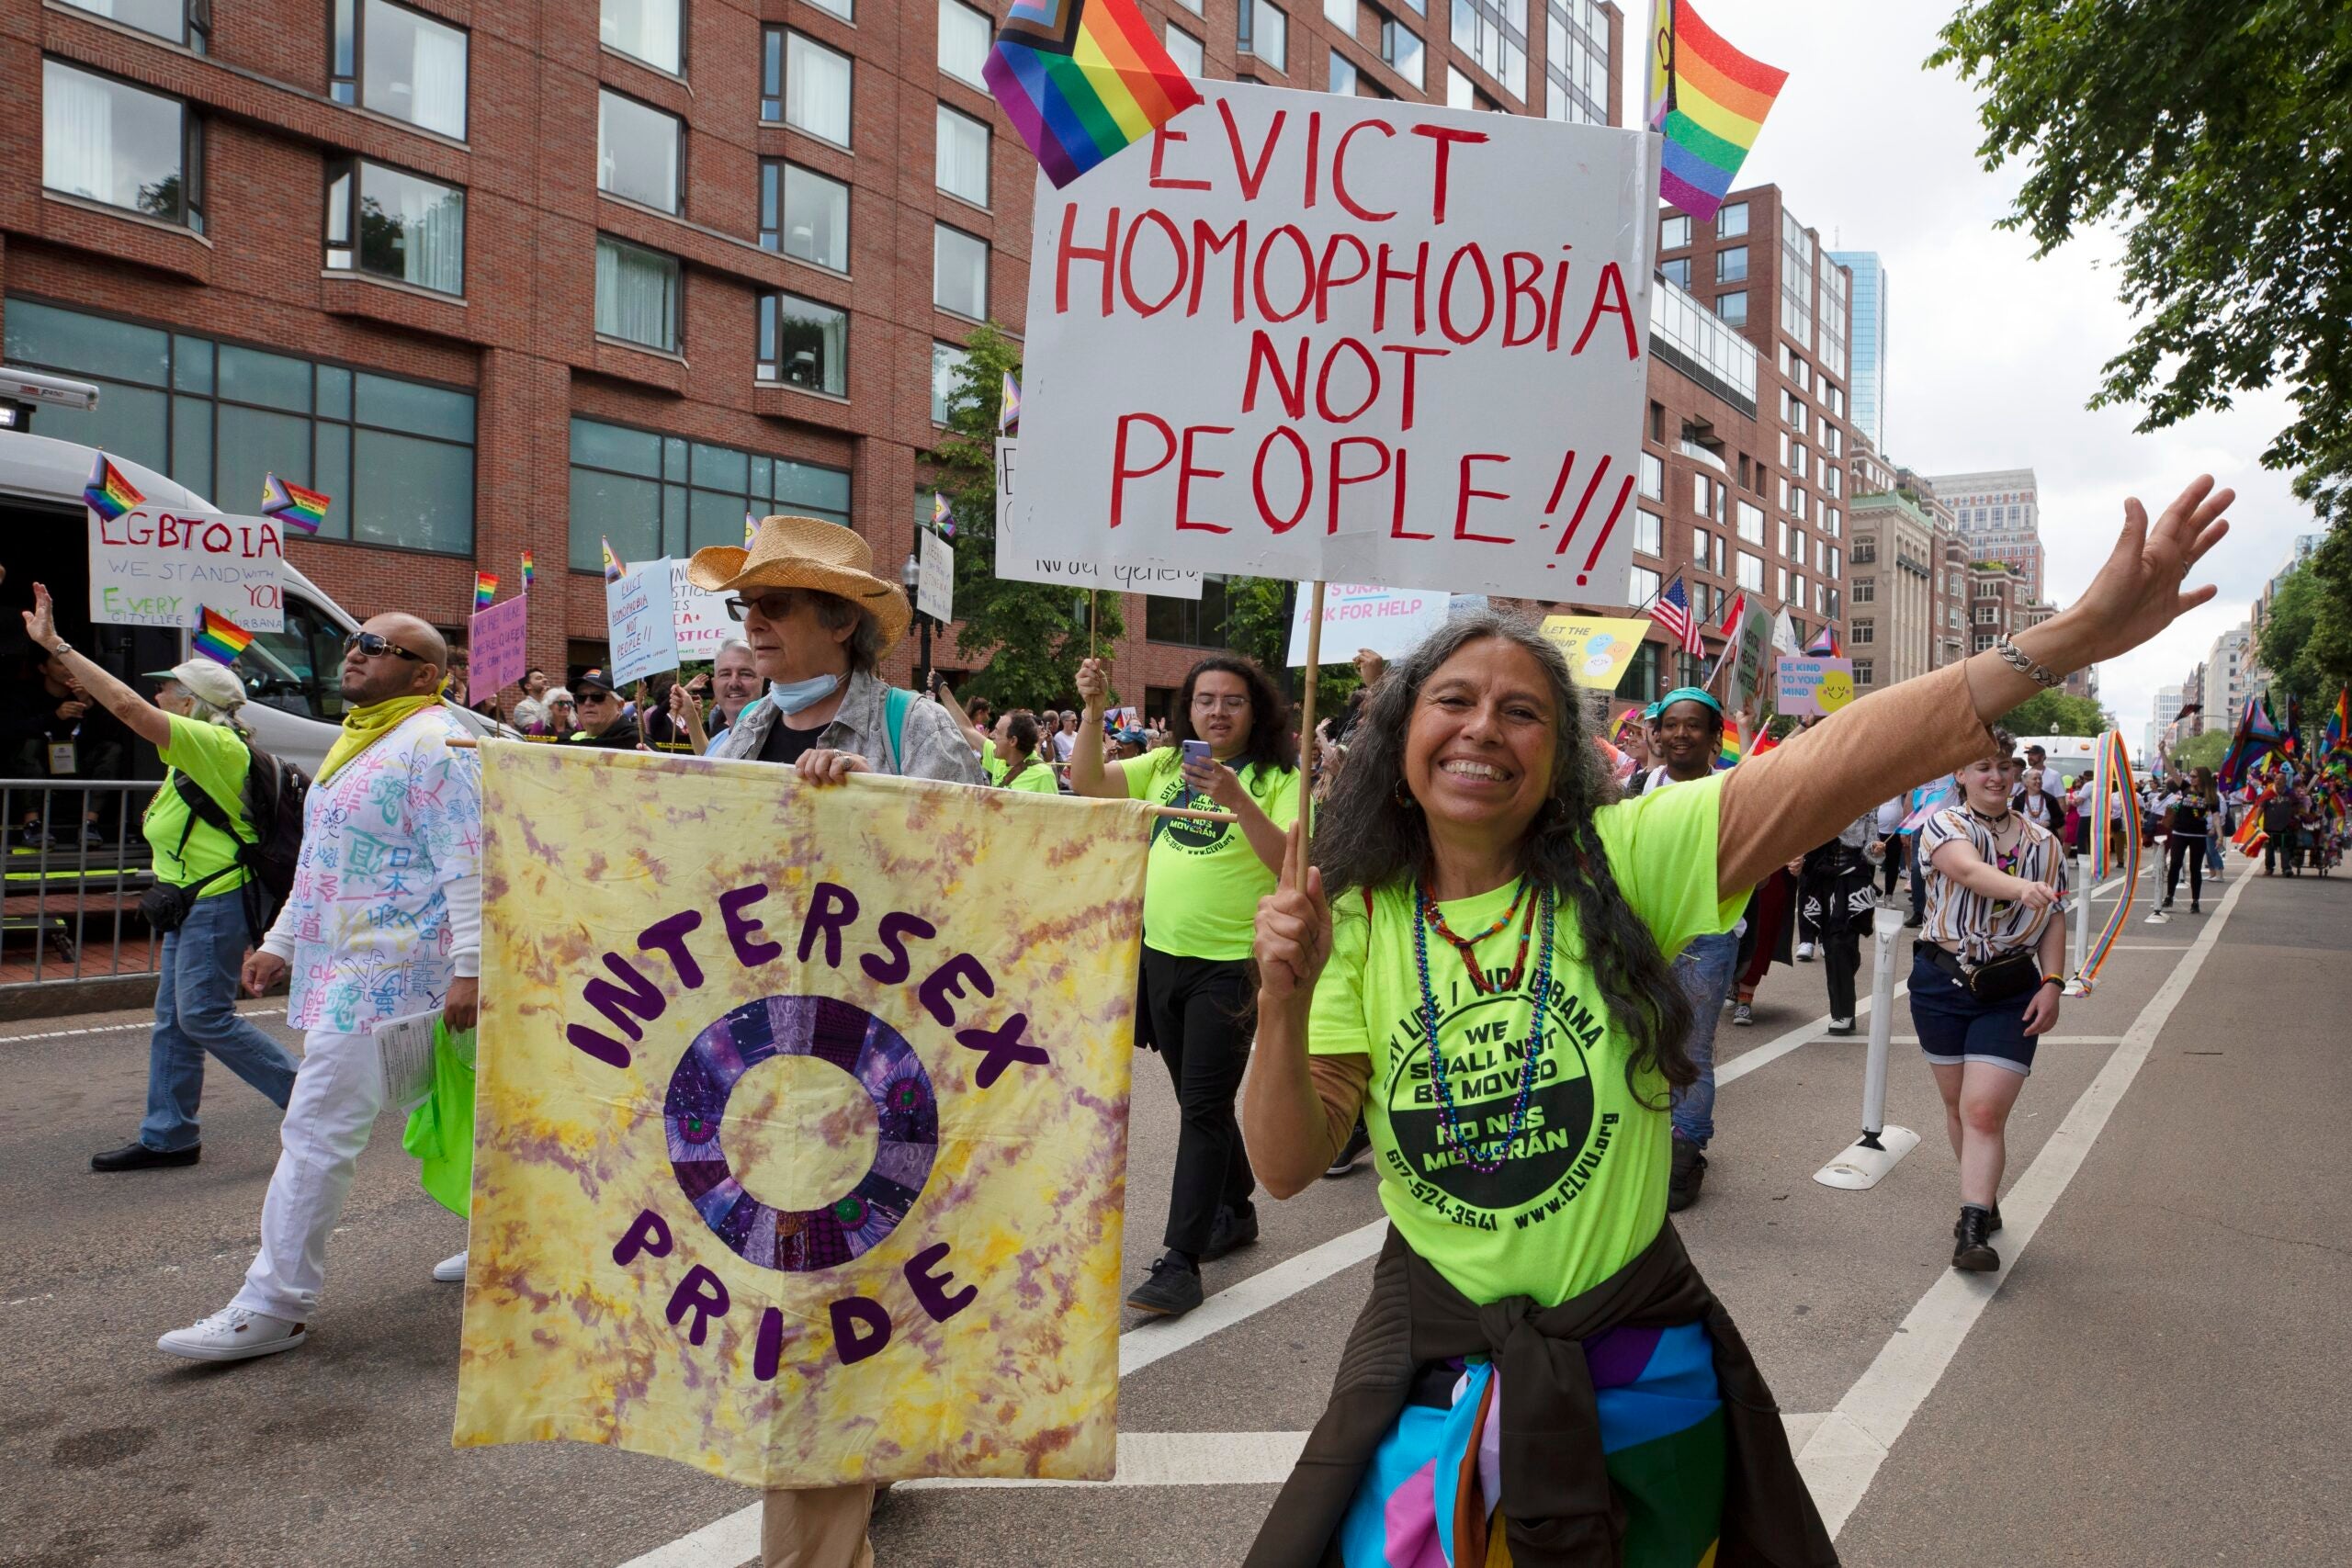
x: 118, y: 1028
x: 1842, y: 1456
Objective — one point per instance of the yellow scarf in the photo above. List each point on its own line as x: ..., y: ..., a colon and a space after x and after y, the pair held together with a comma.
x: 362, y: 727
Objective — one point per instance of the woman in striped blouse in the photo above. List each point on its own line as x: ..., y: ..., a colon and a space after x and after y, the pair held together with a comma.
x: 1987, y: 972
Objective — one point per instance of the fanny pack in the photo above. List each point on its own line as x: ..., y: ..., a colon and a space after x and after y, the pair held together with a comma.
x: 168, y: 907
x: 2002, y: 979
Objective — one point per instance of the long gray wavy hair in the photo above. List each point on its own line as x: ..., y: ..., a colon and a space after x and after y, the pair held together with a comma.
x: 1366, y: 838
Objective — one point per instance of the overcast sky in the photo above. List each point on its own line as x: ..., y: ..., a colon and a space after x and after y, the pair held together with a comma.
x: 1991, y: 355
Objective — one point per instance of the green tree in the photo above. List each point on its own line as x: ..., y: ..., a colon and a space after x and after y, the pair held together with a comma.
x: 2202, y: 751
x: 1024, y: 638
x: 2307, y: 640
x: 2219, y: 139
x: 2055, y: 713
x: 1258, y: 614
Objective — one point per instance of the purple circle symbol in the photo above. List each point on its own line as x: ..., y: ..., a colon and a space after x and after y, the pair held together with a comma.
x: 906, y: 1111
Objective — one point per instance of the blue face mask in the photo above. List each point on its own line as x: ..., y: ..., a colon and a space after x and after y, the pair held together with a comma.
x: 801, y: 694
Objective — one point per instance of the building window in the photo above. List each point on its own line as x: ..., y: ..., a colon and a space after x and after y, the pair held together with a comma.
x: 108, y: 142
x: 1673, y: 233
x: 664, y: 495
x: 1865, y: 671
x: 1699, y: 548
x: 1649, y: 533
x: 1751, y: 572
x: 1576, y: 63
x: 1731, y: 221
x: 1401, y: 51
x: 185, y: 22
x: 964, y: 40
x: 1751, y: 522
x: 1733, y: 307
x: 963, y: 156
x: 1193, y: 623
x: 1780, y: 574
x: 1863, y: 632
x: 804, y: 344
x: 1343, y: 70
x: 804, y: 214
x: 1832, y: 481
x: 1495, y: 39
x: 1702, y: 495
x: 1459, y: 93
x: 401, y: 63
x: 390, y: 223
x: 396, y: 456
x: 1653, y: 477
x: 1641, y: 676
x: 1185, y: 50
x: 1644, y: 585
x: 1731, y: 265
x: 650, y: 30
x: 948, y: 377
x: 959, y: 272
x: 1265, y: 31
x: 804, y: 85
x: 1677, y: 271
x: 1865, y: 551
x: 845, y: 10
x: 637, y: 295
x: 640, y: 149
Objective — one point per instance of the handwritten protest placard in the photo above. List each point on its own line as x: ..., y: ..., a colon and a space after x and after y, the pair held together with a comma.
x: 1816, y: 685
x: 1747, y: 655
x: 1016, y: 563
x: 155, y: 565
x: 935, y: 584
x: 498, y: 648
x: 699, y: 617
x: 640, y: 623
x: 1389, y: 621
x: 1599, y: 651
x: 1344, y: 339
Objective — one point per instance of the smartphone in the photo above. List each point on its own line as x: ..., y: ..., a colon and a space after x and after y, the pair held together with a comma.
x: 1196, y: 751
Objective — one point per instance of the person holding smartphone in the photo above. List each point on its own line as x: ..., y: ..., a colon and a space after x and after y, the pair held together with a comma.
x: 1229, y: 748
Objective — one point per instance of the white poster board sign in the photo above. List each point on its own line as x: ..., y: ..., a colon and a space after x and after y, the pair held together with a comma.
x: 156, y: 566
x: 1747, y: 655
x: 935, y: 592
x: 1389, y: 621
x: 640, y: 623
x: 1016, y: 564
x: 699, y: 615
x: 1345, y: 339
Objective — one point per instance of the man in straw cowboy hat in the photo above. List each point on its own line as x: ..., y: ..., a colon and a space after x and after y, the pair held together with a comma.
x: 819, y: 621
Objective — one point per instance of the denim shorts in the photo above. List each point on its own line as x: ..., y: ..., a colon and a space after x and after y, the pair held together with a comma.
x: 1954, y: 1027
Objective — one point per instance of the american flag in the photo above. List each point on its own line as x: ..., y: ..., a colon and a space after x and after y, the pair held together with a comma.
x: 1673, y: 616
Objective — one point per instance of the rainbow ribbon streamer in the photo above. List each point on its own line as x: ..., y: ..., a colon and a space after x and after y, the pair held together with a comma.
x: 485, y: 589
x: 292, y: 506
x: 1083, y: 79
x: 530, y: 571
x: 1710, y: 100
x: 107, y: 493
x: 2110, y: 770
x: 217, y: 636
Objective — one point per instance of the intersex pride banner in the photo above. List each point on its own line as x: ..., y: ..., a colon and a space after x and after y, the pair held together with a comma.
x: 802, y: 1120
x: 1346, y: 339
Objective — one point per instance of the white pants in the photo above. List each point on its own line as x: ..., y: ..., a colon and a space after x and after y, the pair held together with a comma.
x: 337, y: 1092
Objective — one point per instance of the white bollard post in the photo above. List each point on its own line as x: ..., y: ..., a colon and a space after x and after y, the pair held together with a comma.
x: 1868, y: 1159
x: 2078, y: 986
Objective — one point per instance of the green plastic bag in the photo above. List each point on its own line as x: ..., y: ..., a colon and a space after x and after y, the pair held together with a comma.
x: 441, y: 1129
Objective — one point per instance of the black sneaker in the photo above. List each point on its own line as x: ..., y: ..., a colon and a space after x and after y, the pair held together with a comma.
x: 1234, y: 1229
x: 1970, y: 1252
x: 1173, y: 1290
x: 136, y: 1156
x: 1349, y: 1152
x: 1683, y: 1177
x: 1992, y: 1228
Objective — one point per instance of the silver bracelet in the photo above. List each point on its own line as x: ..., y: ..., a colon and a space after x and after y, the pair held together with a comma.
x: 2023, y: 663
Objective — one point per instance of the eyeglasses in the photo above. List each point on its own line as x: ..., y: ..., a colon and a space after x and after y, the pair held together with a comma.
x: 1210, y: 702
x: 374, y: 647
x: 600, y: 698
x: 772, y: 607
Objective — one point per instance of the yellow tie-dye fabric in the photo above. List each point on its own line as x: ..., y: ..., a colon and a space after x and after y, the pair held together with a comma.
x: 802, y: 1120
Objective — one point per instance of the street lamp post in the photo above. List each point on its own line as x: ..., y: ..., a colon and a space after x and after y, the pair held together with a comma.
x: 910, y: 576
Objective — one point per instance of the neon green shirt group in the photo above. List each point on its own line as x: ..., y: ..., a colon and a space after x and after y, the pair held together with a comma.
x: 215, y: 758
x: 1037, y: 778
x: 1202, y: 887
x: 1582, y: 1190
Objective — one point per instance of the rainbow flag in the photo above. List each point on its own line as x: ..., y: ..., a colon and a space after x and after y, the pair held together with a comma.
x: 293, y: 506
x: 1710, y: 100
x: 751, y: 528
x: 107, y: 493
x: 2110, y: 775
x: 217, y: 636
x: 941, y: 518
x: 1732, y: 749
x: 612, y: 561
x: 1824, y: 645
x: 1008, y: 410
x: 1080, y: 79
x: 485, y: 589
x: 2337, y: 734
x: 530, y: 571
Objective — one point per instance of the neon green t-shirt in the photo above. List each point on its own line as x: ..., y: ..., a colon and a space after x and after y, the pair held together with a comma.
x: 993, y: 766
x: 1037, y: 778
x: 1202, y: 887
x: 215, y: 758
x: 1582, y: 1189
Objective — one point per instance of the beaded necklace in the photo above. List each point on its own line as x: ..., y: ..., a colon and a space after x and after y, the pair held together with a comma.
x: 1463, y: 945
x: 1485, y: 1159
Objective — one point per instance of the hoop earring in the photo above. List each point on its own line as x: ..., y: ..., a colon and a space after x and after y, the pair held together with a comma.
x: 1403, y: 798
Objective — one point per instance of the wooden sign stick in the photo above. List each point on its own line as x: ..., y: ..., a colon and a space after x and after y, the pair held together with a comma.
x: 1306, y: 729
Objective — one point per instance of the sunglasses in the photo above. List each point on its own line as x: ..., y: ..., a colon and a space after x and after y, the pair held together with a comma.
x: 599, y: 697
x: 772, y: 607
x: 374, y: 647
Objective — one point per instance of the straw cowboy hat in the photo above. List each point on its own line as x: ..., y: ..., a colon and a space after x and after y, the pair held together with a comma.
x: 806, y: 552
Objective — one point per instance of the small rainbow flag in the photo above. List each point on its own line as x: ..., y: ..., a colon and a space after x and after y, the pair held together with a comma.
x: 1824, y: 645
x: 612, y: 561
x: 217, y: 636
x: 530, y: 571
x: 293, y: 506
x: 485, y: 589
x: 941, y: 518
x: 1008, y: 410
x: 1080, y: 79
x: 107, y: 493
x: 1710, y: 100
x: 751, y: 528
x: 1765, y: 740
x: 1730, y: 749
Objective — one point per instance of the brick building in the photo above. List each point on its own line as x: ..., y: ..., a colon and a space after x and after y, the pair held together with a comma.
x: 509, y: 274
x: 1999, y: 513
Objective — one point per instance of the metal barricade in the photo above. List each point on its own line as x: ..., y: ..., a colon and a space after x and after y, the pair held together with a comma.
x: 73, y: 867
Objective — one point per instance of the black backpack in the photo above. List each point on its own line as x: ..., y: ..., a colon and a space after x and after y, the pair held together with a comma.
x: 274, y: 795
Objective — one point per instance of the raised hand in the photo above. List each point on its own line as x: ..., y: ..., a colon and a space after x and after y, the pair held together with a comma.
x: 2143, y: 586
x: 1294, y: 938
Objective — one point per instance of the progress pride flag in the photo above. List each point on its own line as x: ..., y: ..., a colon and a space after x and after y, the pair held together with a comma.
x: 1306, y: 336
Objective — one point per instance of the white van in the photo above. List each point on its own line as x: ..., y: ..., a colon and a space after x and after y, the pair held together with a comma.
x: 293, y: 676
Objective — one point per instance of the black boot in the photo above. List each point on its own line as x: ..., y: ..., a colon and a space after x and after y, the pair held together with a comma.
x: 1992, y: 1228
x: 1172, y: 1290
x: 1683, y: 1177
x: 1970, y: 1251
x: 136, y: 1156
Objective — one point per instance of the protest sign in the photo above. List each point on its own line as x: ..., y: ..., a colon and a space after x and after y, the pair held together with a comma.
x: 1816, y: 685
x: 936, y: 585
x: 157, y: 566
x: 498, y: 648
x: 699, y: 615
x: 1747, y: 655
x: 1599, y: 651
x: 1389, y: 621
x: 1014, y: 563
x: 1345, y: 339
x: 790, y: 1165
x: 639, y: 622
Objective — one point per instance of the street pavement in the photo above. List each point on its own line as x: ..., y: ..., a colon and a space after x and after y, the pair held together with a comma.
x: 2155, y: 1377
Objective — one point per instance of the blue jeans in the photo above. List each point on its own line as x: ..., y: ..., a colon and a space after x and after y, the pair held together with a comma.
x: 1706, y: 969
x: 2213, y: 849
x: 195, y: 996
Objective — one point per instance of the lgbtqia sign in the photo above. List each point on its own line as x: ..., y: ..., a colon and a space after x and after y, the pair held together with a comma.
x: 1344, y: 339
x: 1015, y: 563
x: 157, y: 566
x: 800, y: 1154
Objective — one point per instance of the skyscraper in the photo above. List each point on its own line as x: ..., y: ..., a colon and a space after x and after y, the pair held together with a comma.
x: 1870, y: 343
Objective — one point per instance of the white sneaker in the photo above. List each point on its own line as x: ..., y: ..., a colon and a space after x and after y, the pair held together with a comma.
x: 1805, y: 952
x: 233, y: 1334
x: 449, y: 1270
